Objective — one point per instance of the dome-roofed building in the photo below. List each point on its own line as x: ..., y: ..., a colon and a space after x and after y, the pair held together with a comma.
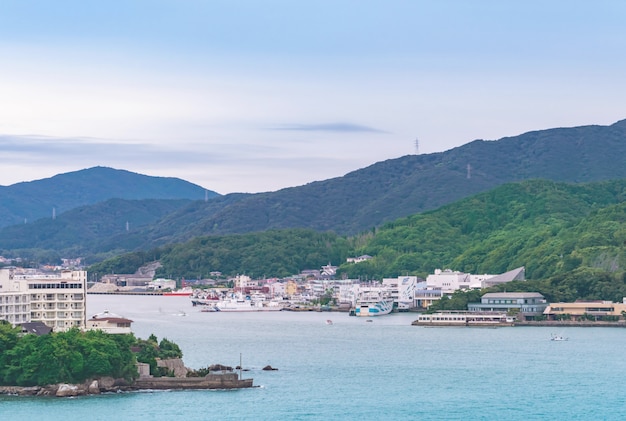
x: 109, y: 322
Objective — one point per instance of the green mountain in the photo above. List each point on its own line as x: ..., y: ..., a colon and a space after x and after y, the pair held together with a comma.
x: 367, y: 198
x: 571, y: 239
x: 396, y: 188
x: 33, y: 200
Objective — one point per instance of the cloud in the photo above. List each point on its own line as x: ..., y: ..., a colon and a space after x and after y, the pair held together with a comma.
x: 329, y: 127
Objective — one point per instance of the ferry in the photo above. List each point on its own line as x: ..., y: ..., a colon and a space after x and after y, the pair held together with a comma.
x: 373, y: 304
x: 464, y: 318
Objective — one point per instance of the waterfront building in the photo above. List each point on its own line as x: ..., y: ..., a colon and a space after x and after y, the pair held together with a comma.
x: 56, y: 299
x: 578, y: 310
x: 109, y: 323
x: 448, y: 281
x: 425, y: 297
x: 526, y: 305
x: 518, y: 274
x: 402, y: 291
x: 161, y: 283
x: 128, y: 280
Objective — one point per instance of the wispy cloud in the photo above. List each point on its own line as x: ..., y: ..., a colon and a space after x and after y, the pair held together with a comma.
x: 329, y: 127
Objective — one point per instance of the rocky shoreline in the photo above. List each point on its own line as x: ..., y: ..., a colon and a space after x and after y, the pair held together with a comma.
x: 91, y: 387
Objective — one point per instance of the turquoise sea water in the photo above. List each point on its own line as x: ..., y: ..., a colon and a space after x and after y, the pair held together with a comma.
x: 353, y: 369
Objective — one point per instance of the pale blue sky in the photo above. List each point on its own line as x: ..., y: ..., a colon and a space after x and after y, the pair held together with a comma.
x: 249, y: 96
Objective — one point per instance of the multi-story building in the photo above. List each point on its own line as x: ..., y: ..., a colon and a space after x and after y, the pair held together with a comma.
x: 526, y: 305
x: 583, y: 309
x: 402, y: 291
x: 448, y: 281
x: 57, y: 299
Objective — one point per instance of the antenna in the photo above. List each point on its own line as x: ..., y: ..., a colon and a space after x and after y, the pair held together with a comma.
x: 206, y: 196
x: 417, y: 146
x: 127, y: 226
x: 469, y: 171
x: 54, y: 213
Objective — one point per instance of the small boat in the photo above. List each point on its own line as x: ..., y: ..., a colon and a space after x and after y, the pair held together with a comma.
x: 329, y: 322
x: 554, y: 337
x: 369, y: 320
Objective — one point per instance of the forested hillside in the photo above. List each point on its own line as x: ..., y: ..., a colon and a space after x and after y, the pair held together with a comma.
x: 359, y: 202
x: 396, y: 188
x: 571, y: 239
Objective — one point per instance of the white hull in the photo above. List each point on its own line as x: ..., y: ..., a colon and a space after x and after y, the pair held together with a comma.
x: 378, y: 308
x: 229, y: 309
x: 238, y: 305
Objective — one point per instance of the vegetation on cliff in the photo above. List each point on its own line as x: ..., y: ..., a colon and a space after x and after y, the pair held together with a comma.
x: 75, y: 356
x: 63, y: 357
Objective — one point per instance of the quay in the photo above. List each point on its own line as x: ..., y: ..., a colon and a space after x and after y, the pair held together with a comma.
x: 210, y: 381
x: 125, y: 292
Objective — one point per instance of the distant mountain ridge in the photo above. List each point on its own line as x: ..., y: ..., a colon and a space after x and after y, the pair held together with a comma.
x: 29, y: 201
x: 396, y: 188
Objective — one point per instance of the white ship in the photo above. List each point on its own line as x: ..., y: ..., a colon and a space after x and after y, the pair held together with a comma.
x: 373, y: 304
x: 241, y: 303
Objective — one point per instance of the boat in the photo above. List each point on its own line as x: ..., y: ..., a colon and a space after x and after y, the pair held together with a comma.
x: 464, y: 318
x: 329, y: 322
x: 184, y: 292
x: 241, y: 303
x: 554, y: 337
x: 373, y: 304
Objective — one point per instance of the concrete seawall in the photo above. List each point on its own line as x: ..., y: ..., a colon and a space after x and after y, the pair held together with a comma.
x: 210, y: 381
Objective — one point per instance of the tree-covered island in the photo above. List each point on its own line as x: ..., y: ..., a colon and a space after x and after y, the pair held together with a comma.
x: 76, y: 356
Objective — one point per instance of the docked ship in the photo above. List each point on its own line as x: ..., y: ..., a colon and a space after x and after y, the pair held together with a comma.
x: 464, y: 318
x: 373, y: 304
x: 241, y: 303
x: 183, y: 292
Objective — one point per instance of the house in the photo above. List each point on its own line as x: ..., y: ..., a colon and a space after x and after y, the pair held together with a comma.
x: 359, y: 259
x: 526, y: 305
x: 109, y: 323
x: 35, y: 328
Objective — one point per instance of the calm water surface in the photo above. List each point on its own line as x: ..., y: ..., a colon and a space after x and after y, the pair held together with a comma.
x: 352, y: 369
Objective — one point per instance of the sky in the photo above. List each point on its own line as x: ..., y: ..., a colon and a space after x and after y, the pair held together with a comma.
x: 253, y: 95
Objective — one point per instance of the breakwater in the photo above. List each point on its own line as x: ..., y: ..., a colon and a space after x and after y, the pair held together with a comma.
x: 210, y: 381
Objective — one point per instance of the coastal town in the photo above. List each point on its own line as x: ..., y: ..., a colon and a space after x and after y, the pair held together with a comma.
x: 41, y: 301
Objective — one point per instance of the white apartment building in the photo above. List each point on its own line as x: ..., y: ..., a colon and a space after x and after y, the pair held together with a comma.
x: 448, y: 281
x: 402, y: 290
x: 57, y: 299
